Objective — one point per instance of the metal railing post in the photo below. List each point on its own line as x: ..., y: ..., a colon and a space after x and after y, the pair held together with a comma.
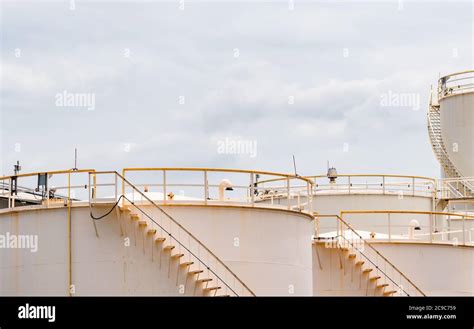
x: 164, y: 186
x: 206, y: 188
x: 47, y: 196
x: 11, y: 198
x: 309, y: 198
x: 288, y: 192
x: 123, y: 185
x: 94, y: 189
x: 252, y: 189
x: 116, y: 187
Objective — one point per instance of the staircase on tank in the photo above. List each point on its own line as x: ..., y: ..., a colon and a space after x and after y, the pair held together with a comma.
x: 191, y: 278
x: 440, y: 150
x: 371, y: 280
x: 344, y: 271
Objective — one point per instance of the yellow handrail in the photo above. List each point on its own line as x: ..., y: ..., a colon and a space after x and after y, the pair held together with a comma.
x: 404, y: 212
x: 432, y: 180
x: 463, y: 217
x: 446, y: 88
x: 456, y: 73
x: 252, y: 184
x: 377, y: 175
x: 54, y: 172
x: 242, y: 171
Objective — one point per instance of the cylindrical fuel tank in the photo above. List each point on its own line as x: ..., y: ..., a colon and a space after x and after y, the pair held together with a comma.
x: 456, y: 100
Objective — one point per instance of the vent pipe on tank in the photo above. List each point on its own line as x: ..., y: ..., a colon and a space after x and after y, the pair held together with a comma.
x: 224, y: 185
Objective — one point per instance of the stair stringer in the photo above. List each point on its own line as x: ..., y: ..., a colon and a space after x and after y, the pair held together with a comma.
x: 338, y: 275
x: 157, y: 262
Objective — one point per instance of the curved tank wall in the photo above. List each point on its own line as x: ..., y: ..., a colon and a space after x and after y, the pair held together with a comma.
x: 101, y: 265
x: 270, y: 250
x: 457, y: 127
x: 438, y: 270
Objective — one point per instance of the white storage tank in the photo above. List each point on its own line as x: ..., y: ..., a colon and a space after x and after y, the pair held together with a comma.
x: 334, y: 193
x: 456, y: 104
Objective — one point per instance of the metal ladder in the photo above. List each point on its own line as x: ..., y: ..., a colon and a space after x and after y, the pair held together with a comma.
x: 439, y: 148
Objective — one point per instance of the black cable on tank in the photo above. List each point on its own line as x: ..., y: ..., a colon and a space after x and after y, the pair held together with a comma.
x: 108, y: 212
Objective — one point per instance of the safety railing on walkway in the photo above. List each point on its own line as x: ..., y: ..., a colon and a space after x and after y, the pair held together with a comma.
x: 456, y: 83
x: 456, y: 188
x: 399, y: 185
x: 214, y: 186
x: 413, y: 226
x: 44, y: 188
x: 376, y: 184
x: 207, y: 186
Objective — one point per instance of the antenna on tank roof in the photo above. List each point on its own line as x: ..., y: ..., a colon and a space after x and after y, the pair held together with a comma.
x: 294, y: 165
x: 75, y: 159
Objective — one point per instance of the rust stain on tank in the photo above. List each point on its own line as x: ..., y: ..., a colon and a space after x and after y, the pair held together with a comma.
x: 15, y: 223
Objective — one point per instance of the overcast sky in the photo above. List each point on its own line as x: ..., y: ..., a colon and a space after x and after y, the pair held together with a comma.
x: 169, y: 84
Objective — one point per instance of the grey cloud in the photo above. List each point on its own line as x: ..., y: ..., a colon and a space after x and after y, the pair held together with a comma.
x: 190, y: 53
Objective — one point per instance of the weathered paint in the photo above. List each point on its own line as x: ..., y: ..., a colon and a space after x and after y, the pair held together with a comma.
x: 274, y: 251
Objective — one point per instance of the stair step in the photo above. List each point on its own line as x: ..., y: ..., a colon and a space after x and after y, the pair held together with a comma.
x: 125, y: 208
x: 367, y: 270
x: 344, y: 249
x: 186, y: 264
x: 177, y: 256
x: 134, y: 216
x: 383, y: 285
x: 195, y: 272
x: 351, y: 256
x: 151, y: 231
x: 375, y: 278
x: 160, y: 240
x: 360, y: 263
x: 212, y: 288
x: 169, y: 248
x: 203, y: 280
x: 390, y: 292
x: 142, y: 223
